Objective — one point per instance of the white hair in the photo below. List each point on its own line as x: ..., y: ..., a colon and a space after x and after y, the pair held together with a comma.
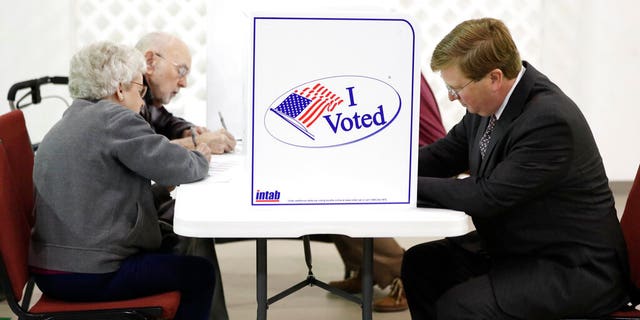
x: 156, y: 41
x: 98, y: 69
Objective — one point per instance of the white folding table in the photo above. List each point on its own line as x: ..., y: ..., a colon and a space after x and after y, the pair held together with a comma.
x: 221, y: 208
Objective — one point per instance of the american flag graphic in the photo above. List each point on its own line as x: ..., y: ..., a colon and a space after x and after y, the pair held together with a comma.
x: 307, y: 105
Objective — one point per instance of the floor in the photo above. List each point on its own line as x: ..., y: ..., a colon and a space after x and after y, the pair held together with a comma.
x: 286, y: 267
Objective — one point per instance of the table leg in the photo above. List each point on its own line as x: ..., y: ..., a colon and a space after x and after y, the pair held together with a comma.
x: 367, y: 278
x: 261, y: 274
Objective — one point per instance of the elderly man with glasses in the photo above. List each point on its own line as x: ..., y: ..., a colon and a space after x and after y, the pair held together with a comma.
x: 168, y: 64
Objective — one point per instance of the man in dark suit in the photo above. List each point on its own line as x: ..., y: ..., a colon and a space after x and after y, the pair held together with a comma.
x: 547, y: 244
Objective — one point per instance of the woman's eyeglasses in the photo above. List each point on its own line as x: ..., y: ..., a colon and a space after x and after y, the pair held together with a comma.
x: 142, y: 91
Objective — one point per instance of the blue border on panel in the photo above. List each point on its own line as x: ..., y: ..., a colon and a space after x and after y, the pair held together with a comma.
x: 253, y: 76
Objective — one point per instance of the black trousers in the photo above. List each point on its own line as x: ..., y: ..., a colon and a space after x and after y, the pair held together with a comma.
x: 139, y: 275
x: 444, y: 281
x: 200, y: 247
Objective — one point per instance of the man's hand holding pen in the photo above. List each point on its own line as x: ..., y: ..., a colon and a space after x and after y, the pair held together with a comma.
x: 219, y: 141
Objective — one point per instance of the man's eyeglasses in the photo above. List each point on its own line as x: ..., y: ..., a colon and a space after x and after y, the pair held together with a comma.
x: 455, y: 94
x: 142, y: 91
x: 183, y: 70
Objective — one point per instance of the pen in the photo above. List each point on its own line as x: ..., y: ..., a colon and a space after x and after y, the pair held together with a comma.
x: 222, y: 120
x: 193, y: 136
x: 223, y: 124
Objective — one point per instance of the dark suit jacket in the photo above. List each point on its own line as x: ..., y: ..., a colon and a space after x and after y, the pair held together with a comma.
x: 540, y: 202
x: 161, y: 120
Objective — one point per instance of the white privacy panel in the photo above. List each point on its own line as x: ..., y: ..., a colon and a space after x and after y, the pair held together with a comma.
x: 229, y: 46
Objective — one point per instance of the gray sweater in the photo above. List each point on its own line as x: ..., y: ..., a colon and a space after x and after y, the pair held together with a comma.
x: 92, y: 178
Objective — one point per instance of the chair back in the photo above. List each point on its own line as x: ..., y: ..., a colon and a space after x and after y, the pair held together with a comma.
x: 630, y: 223
x: 13, y: 133
x: 14, y: 231
x: 431, y: 127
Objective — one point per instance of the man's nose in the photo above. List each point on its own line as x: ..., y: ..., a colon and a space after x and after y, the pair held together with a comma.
x: 182, y: 82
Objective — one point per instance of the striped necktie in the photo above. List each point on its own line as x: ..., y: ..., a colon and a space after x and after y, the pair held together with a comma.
x: 486, y: 137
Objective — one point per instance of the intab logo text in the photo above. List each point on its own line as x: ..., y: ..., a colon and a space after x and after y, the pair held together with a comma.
x: 267, y: 196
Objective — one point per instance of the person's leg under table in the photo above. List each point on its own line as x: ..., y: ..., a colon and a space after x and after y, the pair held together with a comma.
x: 367, y: 278
x: 205, y: 247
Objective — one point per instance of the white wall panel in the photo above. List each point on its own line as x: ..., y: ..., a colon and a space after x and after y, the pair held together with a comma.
x: 35, y: 41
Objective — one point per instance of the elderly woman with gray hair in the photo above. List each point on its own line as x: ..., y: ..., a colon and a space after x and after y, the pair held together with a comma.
x: 96, y: 237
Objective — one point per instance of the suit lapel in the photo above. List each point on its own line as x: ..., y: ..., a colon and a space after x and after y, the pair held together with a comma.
x: 513, y: 109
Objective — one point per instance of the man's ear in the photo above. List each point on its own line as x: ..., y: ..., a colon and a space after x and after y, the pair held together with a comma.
x: 495, y: 75
x: 150, y: 59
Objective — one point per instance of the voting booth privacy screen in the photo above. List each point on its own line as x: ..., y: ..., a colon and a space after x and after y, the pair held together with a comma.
x: 333, y: 111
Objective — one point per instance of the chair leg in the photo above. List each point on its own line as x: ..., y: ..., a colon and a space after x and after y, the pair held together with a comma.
x: 28, y: 292
x: 2, y: 296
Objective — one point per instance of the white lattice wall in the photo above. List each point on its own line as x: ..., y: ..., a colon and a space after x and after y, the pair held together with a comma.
x: 566, y: 39
x: 126, y: 21
x: 437, y: 17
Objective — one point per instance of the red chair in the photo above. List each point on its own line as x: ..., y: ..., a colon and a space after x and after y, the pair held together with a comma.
x: 16, y: 143
x: 16, y: 204
x: 431, y: 128
x: 630, y: 224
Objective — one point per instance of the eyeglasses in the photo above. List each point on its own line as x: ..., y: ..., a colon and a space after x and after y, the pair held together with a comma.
x: 142, y: 91
x: 456, y: 93
x: 183, y: 70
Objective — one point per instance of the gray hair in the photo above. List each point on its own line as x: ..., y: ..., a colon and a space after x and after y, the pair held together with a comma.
x: 98, y: 69
x: 155, y: 41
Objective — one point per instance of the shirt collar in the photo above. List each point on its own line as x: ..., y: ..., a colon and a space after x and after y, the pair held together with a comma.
x: 506, y: 99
